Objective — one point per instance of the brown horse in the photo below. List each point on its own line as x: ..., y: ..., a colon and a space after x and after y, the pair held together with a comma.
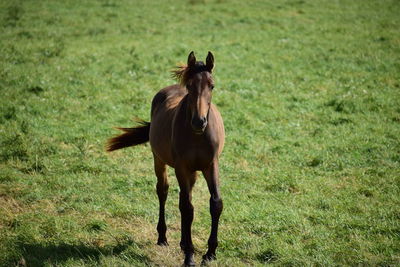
x: 186, y: 132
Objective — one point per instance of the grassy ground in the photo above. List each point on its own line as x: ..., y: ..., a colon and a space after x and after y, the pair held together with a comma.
x: 310, y: 95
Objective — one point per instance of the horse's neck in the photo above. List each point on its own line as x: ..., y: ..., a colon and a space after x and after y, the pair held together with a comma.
x: 183, y: 111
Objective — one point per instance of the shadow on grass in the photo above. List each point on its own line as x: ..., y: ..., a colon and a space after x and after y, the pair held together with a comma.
x: 38, y: 255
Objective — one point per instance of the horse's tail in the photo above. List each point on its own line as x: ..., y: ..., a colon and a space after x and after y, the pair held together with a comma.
x: 131, y: 137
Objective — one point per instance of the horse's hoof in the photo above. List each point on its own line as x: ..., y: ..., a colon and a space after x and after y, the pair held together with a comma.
x: 162, y: 243
x: 189, y: 262
x: 208, y: 258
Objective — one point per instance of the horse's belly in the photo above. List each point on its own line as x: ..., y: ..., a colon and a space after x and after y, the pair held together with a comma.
x: 197, y: 159
x: 160, y: 140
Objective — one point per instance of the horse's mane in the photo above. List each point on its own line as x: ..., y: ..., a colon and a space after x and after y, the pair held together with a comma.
x: 183, y: 72
x: 180, y: 73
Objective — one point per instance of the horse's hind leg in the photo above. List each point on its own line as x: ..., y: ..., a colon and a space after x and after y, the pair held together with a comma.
x: 162, y: 192
x: 216, y: 206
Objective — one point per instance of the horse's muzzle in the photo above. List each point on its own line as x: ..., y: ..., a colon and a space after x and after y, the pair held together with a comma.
x: 199, y: 124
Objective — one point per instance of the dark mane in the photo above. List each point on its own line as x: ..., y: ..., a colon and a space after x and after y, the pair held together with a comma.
x: 183, y: 73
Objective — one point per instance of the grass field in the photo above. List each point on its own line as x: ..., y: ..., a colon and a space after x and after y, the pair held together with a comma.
x: 310, y: 95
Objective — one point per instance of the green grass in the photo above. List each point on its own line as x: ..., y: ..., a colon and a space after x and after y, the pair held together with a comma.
x: 310, y: 95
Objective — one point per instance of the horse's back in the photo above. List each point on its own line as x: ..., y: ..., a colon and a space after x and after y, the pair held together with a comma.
x: 163, y: 108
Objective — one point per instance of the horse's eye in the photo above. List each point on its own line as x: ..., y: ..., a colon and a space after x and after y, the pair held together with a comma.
x: 212, y: 86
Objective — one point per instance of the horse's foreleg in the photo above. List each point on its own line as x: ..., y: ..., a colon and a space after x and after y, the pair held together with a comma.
x: 186, y: 181
x: 216, y: 206
x: 162, y: 192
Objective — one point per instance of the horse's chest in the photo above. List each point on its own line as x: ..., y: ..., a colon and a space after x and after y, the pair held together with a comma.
x: 195, y: 155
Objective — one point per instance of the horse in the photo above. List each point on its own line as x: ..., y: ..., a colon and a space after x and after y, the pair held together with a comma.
x: 186, y: 132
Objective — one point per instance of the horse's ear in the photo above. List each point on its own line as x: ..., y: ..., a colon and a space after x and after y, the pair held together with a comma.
x: 210, y: 61
x: 191, y: 60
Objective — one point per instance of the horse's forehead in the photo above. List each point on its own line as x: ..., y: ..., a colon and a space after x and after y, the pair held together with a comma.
x: 203, y: 76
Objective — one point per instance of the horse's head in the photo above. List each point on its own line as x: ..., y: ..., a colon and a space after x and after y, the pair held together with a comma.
x: 197, y: 78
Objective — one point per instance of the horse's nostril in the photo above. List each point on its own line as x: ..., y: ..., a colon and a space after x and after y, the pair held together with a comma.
x: 199, y: 123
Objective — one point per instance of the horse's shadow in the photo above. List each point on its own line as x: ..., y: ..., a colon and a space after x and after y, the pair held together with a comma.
x: 39, y: 255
